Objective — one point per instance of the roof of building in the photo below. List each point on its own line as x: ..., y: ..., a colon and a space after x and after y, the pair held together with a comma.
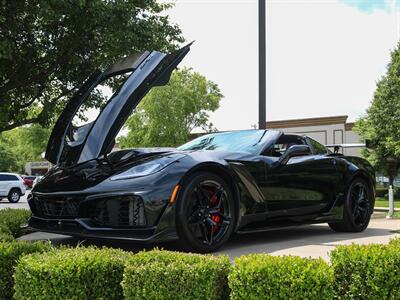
x: 308, y: 122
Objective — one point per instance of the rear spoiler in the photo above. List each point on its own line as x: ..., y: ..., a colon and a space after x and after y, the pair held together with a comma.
x: 336, y: 147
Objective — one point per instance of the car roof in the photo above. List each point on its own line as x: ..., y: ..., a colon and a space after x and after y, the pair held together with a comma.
x: 5, y: 173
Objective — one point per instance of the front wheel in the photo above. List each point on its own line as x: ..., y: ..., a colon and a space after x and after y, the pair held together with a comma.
x: 14, y: 196
x: 205, y: 213
x: 357, y: 208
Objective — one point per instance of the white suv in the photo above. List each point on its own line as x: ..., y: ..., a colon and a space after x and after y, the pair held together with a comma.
x: 11, y: 186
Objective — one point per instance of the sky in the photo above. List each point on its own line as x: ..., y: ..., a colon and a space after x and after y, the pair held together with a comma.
x: 323, y: 57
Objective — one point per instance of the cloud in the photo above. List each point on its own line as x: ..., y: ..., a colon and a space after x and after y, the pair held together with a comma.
x: 370, y: 5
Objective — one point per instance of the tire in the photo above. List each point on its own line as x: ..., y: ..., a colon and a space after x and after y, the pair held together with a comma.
x: 205, y: 213
x: 357, y: 209
x: 14, y: 195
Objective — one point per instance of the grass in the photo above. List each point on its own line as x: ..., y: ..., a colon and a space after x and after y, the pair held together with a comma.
x: 384, y: 202
x: 396, y: 215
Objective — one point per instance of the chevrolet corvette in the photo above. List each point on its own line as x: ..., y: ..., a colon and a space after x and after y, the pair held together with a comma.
x: 199, y: 193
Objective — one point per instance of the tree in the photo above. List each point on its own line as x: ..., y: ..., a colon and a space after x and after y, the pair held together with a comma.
x: 8, y: 159
x: 167, y: 115
x: 382, y: 122
x: 21, y: 145
x: 49, y: 47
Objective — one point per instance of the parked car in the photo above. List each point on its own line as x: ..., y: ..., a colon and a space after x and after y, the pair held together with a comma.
x: 28, y: 180
x: 12, y: 186
x: 37, y: 179
x: 201, y: 192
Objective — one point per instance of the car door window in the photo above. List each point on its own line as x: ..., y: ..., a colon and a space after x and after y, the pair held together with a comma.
x: 284, y: 143
x: 10, y: 178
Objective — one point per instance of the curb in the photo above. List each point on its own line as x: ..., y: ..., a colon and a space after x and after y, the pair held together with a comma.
x: 384, y: 209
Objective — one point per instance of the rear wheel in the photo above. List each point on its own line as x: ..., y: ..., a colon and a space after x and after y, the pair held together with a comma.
x: 205, y: 214
x: 357, y: 208
x: 14, y: 195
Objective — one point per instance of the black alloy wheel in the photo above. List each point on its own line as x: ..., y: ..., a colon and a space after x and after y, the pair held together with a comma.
x: 205, y: 215
x: 358, y: 208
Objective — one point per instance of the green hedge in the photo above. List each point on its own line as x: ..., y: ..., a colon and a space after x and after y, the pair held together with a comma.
x: 78, y: 273
x: 172, y: 275
x: 9, y: 255
x: 262, y: 276
x: 367, y: 271
x: 383, y: 192
x: 11, y: 221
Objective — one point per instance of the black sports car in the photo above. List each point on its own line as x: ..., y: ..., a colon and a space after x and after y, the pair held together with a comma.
x: 199, y: 193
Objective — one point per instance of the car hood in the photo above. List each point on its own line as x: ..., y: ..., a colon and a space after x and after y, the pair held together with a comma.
x: 88, y: 174
x: 69, y: 145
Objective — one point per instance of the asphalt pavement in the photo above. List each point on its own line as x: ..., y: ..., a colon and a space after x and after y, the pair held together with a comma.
x: 306, y: 241
x: 21, y: 204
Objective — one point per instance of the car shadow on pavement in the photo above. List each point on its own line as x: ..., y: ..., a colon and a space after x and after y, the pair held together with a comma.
x: 264, y: 242
x: 303, y: 236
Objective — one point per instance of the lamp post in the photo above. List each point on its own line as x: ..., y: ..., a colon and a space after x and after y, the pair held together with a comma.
x: 261, y: 65
x: 392, y: 167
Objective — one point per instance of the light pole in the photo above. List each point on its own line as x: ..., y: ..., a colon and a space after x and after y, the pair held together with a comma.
x: 261, y: 65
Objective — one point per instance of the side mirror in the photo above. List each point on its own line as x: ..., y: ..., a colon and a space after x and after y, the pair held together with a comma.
x: 295, y: 150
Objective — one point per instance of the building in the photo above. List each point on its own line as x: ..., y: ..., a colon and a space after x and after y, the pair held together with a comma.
x: 37, y: 167
x: 326, y: 130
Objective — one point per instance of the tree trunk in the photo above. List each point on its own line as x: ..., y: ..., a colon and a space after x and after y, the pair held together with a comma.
x: 391, y: 180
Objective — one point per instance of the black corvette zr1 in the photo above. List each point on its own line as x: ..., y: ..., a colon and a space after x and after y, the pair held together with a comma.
x: 199, y: 193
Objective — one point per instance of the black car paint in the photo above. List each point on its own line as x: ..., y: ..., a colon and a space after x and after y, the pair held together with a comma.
x: 268, y: 193
x: 308, y: 189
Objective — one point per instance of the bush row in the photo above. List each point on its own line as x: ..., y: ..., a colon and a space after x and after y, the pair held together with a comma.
x: 11, y: 221
x: 42, y: 272
x: 10, y: 252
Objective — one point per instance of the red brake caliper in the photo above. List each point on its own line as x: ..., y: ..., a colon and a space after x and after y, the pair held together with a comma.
x: 216, y: 218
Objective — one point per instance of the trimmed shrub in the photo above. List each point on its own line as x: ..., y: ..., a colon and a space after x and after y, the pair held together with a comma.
x: 161, y: 274
x: 395, y: 242
x: 71, y: 273
x: 5, y: 234
x: 12, y: 219
x: 9, y: 255
x: 367, y: 271
x: 262, y: 276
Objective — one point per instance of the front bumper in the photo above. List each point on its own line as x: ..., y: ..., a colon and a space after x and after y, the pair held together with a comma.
x: 120, y: 216
x: 83, y: 228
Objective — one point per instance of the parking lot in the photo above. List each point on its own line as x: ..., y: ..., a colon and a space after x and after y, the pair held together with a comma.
x: 312, y: 240
x: 21, y: 204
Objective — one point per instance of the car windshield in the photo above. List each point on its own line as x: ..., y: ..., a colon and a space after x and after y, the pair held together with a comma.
x: 249, y: 141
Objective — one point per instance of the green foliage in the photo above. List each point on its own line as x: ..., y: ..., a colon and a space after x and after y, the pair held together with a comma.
x: 11, y: 220
x: 367, y: 271
x: 9, y: 255
x: 382, y: 122
x: 8, y: 159
x: 262, y: 276
x: 23, y: 144
x: 167, y: 115
x: 48, y: 48
x: 79, y: 273
x: 172, y: 275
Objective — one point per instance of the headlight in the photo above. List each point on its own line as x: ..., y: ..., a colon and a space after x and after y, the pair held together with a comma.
x: 147, y: 168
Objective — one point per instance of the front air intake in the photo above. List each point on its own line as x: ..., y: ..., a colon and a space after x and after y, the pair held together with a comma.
x: 118, y: 211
